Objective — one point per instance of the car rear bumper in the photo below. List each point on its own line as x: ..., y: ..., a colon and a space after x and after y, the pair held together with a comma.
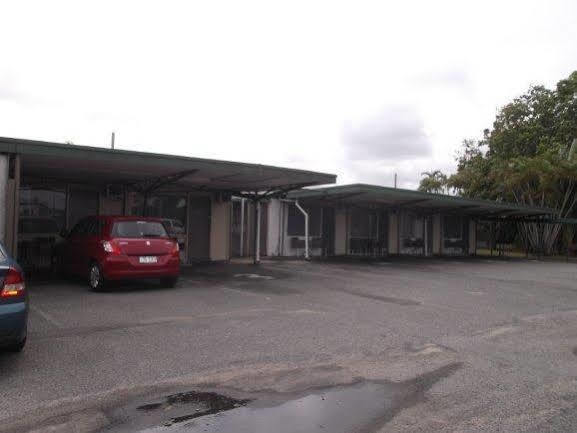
x: 13, y: 320
x: 123, y: 267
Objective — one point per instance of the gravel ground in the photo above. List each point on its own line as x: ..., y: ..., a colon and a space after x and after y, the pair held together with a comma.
x: 502, y: 336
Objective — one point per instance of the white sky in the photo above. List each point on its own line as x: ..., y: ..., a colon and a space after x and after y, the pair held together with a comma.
x: 360, y: 89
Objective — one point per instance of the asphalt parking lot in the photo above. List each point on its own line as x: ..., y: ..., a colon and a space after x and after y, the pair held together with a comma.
x: 495, y: 341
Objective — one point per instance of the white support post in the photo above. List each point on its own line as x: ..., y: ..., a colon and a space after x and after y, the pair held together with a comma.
x: 306, y: 215
x: 426, y: 231
x: 242, y: 200
x: 257, y: 234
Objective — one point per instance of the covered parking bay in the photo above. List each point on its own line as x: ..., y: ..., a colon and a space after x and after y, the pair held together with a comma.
x: 371, y: 220
x: 47, y: 187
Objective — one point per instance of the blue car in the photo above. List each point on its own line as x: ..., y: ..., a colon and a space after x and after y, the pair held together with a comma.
x: 13, y: 304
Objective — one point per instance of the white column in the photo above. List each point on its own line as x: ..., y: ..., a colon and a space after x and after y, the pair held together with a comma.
x: 219, y: 230
x: 394, y: 219
x: 340, y: 232
x: 437, y: 235
x: 472, y: 237
x: 273, y: 227
x: 257, y: 233
x: 242, y: 225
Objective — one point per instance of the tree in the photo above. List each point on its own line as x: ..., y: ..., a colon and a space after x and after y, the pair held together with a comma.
x: 433, y: 181
x: 529, y: 156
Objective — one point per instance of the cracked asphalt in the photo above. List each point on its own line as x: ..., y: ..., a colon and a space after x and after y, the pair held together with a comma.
x: 286, y: 326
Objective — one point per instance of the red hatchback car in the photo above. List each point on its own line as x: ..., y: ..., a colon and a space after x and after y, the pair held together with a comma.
x: 106, y: 248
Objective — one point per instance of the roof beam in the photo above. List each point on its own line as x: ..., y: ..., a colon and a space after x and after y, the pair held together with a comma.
x: 149, y: 185
x: 228, y: 176
x: 339, y: 198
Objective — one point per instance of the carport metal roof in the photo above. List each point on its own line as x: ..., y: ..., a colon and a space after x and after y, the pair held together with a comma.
x: 377, y: 196
x: 84, y: 164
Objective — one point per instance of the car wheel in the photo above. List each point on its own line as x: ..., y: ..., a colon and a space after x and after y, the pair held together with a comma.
x: 17, y: 347
x: 96, y: 279
x: 169, y: 282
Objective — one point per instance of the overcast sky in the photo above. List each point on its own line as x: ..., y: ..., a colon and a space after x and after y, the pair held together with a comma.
x: 360, y: 89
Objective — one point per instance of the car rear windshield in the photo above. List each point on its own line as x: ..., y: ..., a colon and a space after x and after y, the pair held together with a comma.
x: 138, y: 229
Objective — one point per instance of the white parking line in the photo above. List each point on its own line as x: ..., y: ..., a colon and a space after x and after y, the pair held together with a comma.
x: 46, y: 316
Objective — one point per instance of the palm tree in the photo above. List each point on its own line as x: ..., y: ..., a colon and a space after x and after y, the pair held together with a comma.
x: 433, y: 181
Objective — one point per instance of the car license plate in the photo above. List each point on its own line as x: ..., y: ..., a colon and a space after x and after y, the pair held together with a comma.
x: 148, y: 259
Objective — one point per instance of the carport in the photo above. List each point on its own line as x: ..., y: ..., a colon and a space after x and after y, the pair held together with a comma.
x: 371, y: 220
x: 47, y: 187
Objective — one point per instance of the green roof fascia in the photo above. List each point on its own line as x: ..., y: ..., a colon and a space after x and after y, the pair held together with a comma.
x: 409, y: 194
x: 43, y: 148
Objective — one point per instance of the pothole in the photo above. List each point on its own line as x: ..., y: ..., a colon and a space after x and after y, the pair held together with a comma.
x: 364, y: 405
x: 203, y: 403
x: 339, y: 409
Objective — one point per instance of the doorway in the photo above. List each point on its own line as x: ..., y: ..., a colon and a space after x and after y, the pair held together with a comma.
x: 199, y: 229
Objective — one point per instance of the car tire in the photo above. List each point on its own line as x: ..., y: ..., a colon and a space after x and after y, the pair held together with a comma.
x: 96, y: 279
x: 17, y: 347
x: 169, y: 282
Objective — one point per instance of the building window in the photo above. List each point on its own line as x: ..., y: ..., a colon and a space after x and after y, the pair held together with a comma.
x: 42, y: 204
x: 82, y: 203
x: 364, y: 224
x: 412, y: 226
x: 296, y: 221
x: 42, y: 218
x: 172, y: 208
x: 453, y: 227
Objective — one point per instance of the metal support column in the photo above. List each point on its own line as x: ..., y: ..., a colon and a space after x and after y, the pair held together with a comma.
x: 399, y: 221
x: 540, y: 243
x: 306, y: 215
x: 526, y: 244
x: 257, y: 232
x: 426, y: 235
x: 476, y: 237
x: 242, y: 202
x: 491, y: 235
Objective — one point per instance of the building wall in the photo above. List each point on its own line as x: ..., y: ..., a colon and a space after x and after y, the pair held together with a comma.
x: 279, y: 243
x: 111, y: 205
x: 220, y: 230
x: 13, y: 208
x: 341, y: 232
x: 437, y: 235
x: 4, y: 194
x: 394, y: 232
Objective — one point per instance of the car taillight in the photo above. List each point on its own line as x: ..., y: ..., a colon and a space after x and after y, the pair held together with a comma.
x: 13, y: 284
x: 110, y: 247
x: 175, y: 249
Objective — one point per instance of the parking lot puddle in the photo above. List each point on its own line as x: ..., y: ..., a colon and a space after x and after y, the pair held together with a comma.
x: 340, y: 409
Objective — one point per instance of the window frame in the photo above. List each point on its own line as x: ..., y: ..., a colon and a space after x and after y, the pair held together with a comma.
x: 315, y: 230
